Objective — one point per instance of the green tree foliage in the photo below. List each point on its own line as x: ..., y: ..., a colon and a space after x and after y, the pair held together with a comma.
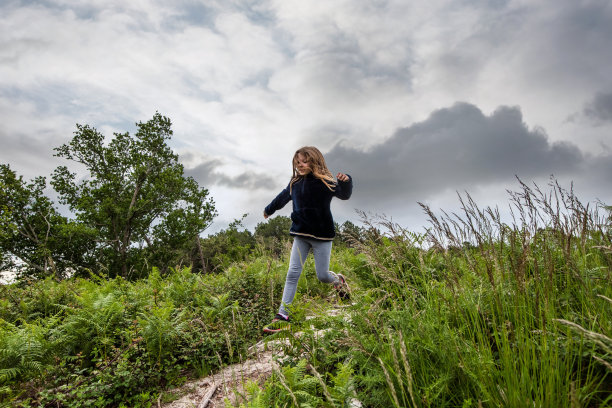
x: 236, y: 243
x: 34, y: 238
x: 273, y: 233
x: 271, y: 237
x: 608, y: 223
x: 349, y: 234
x: 5, y: 223
x: 220, y: 250
x: 136, y: 197
x: 275, y: 227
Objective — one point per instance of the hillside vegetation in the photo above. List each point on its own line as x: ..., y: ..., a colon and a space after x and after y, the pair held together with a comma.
x: 477, y: 312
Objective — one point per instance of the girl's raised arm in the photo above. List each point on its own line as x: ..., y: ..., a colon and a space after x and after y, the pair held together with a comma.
x: 344, y: 188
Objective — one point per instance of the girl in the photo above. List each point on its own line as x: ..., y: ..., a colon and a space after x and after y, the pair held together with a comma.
x: 311, y: 189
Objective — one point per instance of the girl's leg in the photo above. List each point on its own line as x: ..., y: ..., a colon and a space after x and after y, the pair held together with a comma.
x: 299, y: 252
x: 322, y: 253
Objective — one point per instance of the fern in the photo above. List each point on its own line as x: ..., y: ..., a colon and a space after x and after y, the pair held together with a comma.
x: 160, y: 331
x: 293, y: 386
x: 7, y: 374
x: 343, y: 390
x: 93, y: 325
x: 289, y: 387
x: 22, y: 353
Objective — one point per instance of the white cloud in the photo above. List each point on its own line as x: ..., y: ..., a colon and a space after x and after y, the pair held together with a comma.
x: 247, y: 82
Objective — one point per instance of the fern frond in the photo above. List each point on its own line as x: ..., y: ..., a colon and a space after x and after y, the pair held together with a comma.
x: 7, y: 374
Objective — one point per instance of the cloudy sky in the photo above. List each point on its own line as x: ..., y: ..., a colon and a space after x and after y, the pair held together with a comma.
x: 415, y: 99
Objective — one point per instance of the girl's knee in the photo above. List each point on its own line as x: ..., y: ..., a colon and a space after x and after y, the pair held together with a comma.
x: 293, y: 275
x: 327, y: 277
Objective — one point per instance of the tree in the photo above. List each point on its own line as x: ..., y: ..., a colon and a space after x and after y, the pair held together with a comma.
x: 225, y: 247
x: 350, y: 234
x: 35, y: 240
x: 135, y: 195
x: 274, y: 233
x: 275, y: 227
x: 6, y: 225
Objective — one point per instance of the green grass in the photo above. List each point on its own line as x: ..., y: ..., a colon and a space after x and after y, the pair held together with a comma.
x: 474, y: 313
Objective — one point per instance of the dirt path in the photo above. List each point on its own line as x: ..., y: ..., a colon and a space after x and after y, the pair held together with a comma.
x: 210, y: 392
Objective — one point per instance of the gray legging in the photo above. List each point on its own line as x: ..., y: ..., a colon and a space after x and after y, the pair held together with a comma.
x: 301, y: 246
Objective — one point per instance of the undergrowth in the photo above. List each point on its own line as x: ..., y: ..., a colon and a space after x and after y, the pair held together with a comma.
x: 476, y: 312
x: 112, y: 342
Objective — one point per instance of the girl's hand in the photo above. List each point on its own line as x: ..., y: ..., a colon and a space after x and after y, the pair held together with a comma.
x: 342, y: 177
x: 265, y: 215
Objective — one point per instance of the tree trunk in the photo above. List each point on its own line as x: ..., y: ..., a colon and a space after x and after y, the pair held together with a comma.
x: 199, y: 244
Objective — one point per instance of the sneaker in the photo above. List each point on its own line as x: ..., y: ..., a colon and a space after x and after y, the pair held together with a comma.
x: 344, y: 292
x: 279, y: 323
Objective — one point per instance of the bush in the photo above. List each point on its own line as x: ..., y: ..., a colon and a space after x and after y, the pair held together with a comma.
x: 85, y: 343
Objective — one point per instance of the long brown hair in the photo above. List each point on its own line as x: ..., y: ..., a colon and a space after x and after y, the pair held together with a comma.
x: 315, y: 160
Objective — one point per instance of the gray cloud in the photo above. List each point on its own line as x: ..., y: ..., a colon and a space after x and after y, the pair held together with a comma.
x: 239, y: 77
x: 30, y: 155
x: 570, y: 45
x: 458, y: 148
x: 600, y: 108
x: 206, y: 175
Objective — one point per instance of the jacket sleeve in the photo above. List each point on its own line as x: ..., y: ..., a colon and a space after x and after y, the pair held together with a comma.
x: 279, y: 201
x: 344, y: 189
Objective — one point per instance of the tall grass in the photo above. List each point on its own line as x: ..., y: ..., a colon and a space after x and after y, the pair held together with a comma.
x: 491, y: 313
x: 478, y: 311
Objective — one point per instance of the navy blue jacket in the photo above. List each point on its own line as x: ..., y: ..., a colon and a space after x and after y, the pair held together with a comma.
x: 311, y: 216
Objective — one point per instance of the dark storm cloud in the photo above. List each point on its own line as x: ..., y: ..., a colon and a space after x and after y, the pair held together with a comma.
x: 600, y: 108
x: 455, y: 148
x: 206, y: 175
